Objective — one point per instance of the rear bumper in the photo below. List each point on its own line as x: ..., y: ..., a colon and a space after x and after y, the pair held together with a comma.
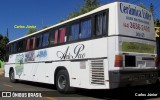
x: 132, y: 78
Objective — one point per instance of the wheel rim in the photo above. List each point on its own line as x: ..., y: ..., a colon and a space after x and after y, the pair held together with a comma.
x: 12, y: 76
x: 61, y: 81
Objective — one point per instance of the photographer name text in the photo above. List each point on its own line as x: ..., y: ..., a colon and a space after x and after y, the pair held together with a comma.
x: 146, y: 94
x: 23, y: 26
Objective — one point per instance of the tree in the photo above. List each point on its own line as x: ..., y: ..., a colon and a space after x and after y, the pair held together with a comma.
x: 1, y: 37
x: 44, y: 27
x: 87, y: 6
x: 157, y: 23
x: 3, y: 43
x: 143, y: 6
x: 32, y: 30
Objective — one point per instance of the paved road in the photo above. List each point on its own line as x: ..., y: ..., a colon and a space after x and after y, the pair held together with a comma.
x: 49, y: 92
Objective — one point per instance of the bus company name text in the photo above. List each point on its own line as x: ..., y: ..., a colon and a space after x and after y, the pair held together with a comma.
x: 128, y: 9
x: 27, y: 26
x: 77, y: 53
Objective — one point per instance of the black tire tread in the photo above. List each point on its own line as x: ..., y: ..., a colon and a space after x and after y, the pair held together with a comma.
x: 67, y: 89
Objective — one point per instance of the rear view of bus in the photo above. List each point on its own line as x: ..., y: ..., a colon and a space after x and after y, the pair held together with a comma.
x: 134, y: 56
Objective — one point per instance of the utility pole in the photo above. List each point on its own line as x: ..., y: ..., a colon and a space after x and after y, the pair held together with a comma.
x: 7, y: 33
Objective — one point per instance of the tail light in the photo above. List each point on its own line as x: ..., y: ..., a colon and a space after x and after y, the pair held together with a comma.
x: 118, y: 61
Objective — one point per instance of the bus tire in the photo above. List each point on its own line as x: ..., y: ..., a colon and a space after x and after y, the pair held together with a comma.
x: 63, y: 82
x: 12, y: 76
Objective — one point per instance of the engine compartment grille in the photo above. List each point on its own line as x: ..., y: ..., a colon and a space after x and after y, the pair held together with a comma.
x: 97, y: 72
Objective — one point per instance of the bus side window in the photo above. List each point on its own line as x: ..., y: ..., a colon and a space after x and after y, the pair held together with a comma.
x: 28, y: 42
x: 20, y: 45
x: 56, y: 37
x: 100, y: 24
x: 51, y: 38
x: 38, y: 41
x: 62, y: 32
x: 15, y: 47
x: 10, y: 48
x: 74, y: 32
x: 85, y: 29
x: 45, y: 41
x: 32, y: 43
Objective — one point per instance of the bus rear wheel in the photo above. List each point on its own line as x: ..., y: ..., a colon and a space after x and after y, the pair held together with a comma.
x: 12, y: 76
x: 62, y: 82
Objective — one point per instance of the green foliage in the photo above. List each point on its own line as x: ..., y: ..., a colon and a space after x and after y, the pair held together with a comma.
x: 143, y: 6
x: 32, y: 30
x: 1, y: 37
x: 87, y: 6
x: 3, y: 43
x: 44, y: 27
x: 157, y: 23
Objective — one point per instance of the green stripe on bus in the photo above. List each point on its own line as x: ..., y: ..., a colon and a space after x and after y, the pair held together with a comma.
x: 137, y: 47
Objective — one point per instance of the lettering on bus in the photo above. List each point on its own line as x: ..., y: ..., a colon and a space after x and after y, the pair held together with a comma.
x: 76, y: 54
x: 131, y: 10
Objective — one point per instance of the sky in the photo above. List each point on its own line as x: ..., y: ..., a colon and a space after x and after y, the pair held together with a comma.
x: 41, y: 13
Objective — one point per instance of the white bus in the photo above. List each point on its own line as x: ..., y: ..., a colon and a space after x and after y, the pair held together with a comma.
x: 112, y: 46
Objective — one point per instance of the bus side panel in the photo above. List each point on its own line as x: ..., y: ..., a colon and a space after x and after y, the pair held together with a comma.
x: 49, y: 72
x: 83, y: 71
x: 6, y: 70
x: 29, y: 71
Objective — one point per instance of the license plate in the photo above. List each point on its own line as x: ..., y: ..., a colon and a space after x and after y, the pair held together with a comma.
x: 137, y: 77
x: 143, y: 76
x: 141, y: 63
